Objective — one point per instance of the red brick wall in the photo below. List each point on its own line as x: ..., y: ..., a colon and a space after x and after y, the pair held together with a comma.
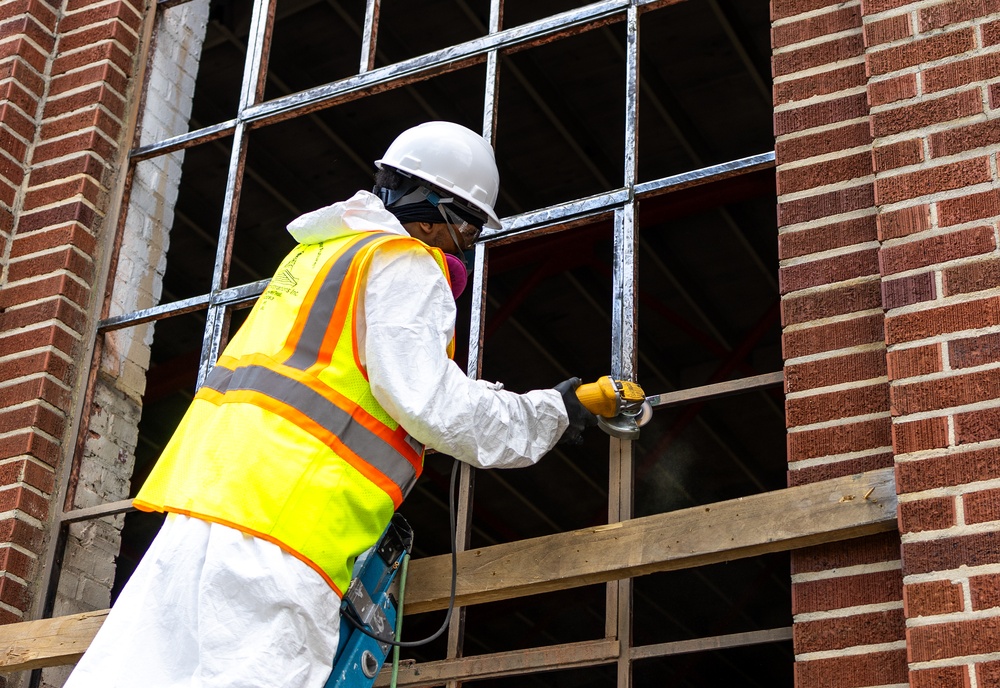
x: 887, y: 118
x: 66, y: 79
x: 943, y: 368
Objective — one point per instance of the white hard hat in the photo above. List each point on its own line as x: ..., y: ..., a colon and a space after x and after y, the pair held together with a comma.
x: 452, y: 158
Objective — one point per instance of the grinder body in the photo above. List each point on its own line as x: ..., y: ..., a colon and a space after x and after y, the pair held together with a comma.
x: 620, y: 406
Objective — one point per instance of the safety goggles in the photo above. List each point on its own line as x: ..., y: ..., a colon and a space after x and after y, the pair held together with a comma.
x: 458, y: 226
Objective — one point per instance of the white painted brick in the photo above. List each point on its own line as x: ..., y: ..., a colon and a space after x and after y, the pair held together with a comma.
x: 109, y: 452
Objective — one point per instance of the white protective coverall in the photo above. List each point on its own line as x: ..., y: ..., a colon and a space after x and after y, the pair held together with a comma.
x: 211, y: 607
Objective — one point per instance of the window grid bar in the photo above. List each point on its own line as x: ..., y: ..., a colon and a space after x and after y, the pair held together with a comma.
x: 369, y: 36
x: 624, y: 344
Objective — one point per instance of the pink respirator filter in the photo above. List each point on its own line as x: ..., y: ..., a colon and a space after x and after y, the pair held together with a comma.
x: 459, y: 275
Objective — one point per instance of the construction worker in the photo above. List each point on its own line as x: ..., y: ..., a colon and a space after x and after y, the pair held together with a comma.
x: 311, y: 428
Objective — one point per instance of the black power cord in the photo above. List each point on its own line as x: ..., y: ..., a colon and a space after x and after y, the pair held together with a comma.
x: 454, y: 577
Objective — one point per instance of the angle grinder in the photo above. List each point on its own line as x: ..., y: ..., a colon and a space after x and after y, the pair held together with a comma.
x: 620, y: 406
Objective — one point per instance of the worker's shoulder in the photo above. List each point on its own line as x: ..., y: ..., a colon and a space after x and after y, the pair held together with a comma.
x: 403, y: 244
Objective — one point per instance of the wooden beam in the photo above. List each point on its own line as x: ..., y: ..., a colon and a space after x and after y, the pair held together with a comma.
x: 572, y: 655
x: 47, y: 642
x: 827, y: 511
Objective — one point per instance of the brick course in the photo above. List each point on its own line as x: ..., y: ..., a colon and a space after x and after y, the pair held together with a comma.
x: 836, y: 235
x: 949, y: 553
x: 960, y: 73
x: 985, y: 591
x: 799, y: 147
x: 906, y: 291
x: 847, y: 591
x: 839, y: 633
x: 809, y: 28
x: 955, y: 639
x: 894, y: 224
x: 932, y: 598
x: 921, y: 50
x: 910, y: 185
x: 855, y: 297
x: 940, y: 677
x: 828, y: 270
x: 913, y: 361
x: 840, y: 439
x: 877, y: 669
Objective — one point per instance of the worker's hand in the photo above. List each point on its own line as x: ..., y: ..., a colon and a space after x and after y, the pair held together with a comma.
x: 579, y: 417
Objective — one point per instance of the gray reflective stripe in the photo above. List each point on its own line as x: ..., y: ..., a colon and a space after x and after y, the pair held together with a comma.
x: 218, y: 379
x: 370, y: 447
x: 414, y: 444
x: 318, y: 320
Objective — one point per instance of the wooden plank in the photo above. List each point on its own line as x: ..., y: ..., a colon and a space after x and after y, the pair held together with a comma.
x: 827, y: 511
x: 588, y: 653
x: 47, y: 642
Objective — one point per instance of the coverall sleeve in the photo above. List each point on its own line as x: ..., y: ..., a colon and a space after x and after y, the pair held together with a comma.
x: 409, y: 319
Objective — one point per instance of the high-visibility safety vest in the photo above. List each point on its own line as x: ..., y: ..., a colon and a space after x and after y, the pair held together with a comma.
x: 284, y: 440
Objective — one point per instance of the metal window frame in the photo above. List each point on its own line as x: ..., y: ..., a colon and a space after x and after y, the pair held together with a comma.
x: 620, y: 204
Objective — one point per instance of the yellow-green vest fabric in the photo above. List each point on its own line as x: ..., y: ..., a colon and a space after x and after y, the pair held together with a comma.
x: 284, y: 440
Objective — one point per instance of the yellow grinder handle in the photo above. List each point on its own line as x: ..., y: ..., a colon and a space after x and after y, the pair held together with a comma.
x: 600, y: 398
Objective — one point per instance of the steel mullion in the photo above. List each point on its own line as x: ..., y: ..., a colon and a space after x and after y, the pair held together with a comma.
x: 496, y: 16
x: 258, y: 47
x: 558, y: 214
x: 254, y: 73
x: 187, y: 140
x: 490, y: 110
x: 490, y: 106
x: 228, y: 297
x: 477, y: 323
x: 631, y: 97
x: 155, y: 313
x: 605, y: 202
x: 621, y: 452
x: 648, y: 5
x: 369, y: 36
x: 624, y: 336
x: 705, y: 175
x: 623, y: 294
x: 467, y: 477
x: 220, y: 275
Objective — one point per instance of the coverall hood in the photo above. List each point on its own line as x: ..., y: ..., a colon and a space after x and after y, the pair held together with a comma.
x: 362, y: 212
